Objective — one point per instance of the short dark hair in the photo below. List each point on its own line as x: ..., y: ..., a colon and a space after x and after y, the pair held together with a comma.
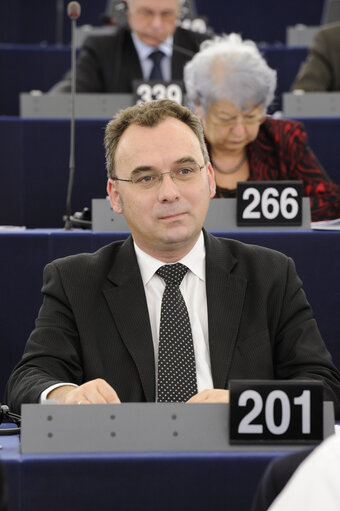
x: 148, y: 114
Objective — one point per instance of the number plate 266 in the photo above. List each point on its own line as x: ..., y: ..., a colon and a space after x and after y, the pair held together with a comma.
x: 264, y: 203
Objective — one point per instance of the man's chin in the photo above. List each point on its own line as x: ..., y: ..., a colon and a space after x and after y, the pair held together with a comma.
x: 177, y: 236
x: 151, y: 41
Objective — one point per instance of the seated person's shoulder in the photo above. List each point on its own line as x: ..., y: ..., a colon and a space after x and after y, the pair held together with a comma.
x: 330, y: 30
x: 282, y: 129
x: 187, y: 37
x: 93, y: 263
x: 106, y: 40
x: 257, y: 254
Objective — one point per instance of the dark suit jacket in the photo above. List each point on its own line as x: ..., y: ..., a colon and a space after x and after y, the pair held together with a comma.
x: 321, y: 70
x: 109, y: 63
x: 94, y: 323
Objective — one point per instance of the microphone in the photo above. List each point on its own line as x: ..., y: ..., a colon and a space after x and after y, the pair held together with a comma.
x: 73, y: 12
x: 7, y: 416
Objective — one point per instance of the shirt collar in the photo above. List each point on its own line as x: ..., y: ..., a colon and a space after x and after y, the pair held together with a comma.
x: 194, y: 260
x: 144, y: 50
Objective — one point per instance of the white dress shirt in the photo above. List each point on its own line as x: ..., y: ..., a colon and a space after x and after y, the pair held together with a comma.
x: 144, y: 51
x: 193, y: 289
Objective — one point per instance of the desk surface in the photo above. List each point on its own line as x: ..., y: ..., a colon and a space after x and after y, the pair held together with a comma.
x: 133, y: 481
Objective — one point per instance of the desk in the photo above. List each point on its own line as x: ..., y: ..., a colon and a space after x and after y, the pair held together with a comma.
x: 38, y: 67
x: 10, y: 457
x: 23, y: 255
x: 181, y: 481
x: 34, y: 163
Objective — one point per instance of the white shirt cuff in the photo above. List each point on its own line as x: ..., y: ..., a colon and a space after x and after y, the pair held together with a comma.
x: 44, y: 394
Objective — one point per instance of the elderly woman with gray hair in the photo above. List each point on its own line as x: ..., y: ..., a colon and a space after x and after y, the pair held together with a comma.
x: 230, y: 86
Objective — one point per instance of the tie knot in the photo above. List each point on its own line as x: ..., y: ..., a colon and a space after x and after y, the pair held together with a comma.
x: 156, y: 57
x: 172, y: 273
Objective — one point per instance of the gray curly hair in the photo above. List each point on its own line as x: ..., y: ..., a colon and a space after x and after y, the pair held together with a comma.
x: 230, y: 68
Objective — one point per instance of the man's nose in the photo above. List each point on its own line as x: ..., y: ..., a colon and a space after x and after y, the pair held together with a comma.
x: 168, y: 189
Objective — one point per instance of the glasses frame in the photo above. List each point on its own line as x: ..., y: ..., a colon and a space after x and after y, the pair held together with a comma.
x: 160, y: 175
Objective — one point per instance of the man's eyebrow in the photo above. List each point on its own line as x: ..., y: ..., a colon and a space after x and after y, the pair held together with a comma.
x: 185, y: 159
x: 142, y: 168
x: 147, y: 168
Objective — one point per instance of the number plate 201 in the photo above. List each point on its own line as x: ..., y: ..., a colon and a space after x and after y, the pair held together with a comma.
x: 261, y: 203
x: 276, y: 411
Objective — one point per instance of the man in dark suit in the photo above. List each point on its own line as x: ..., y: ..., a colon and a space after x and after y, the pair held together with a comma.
x: 321, y: 71
x: 109, y: 63
x: 97, y: 335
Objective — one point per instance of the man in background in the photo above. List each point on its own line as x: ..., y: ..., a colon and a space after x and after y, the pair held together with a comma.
x: 150, y: 47
x: 321, y: 71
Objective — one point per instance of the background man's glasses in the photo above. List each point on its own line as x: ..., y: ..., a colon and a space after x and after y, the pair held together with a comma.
x: 148, y: 15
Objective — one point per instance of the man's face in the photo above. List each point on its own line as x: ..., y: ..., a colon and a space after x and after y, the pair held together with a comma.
x: 153, y: 20
x: 166, y: 219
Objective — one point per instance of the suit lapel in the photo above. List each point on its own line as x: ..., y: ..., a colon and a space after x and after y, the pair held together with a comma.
x: 225, y: 297
x: 129, y: 66
x: 178, y: 59
x: 127, y: 302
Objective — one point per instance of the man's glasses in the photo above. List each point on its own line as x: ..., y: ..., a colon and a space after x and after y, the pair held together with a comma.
x: 181, y: 173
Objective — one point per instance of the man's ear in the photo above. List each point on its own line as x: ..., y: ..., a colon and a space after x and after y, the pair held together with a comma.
x: 199, y: 110
x: 114, y: 196
x: 211, y: 178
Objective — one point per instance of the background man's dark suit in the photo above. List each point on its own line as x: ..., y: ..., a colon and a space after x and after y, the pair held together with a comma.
x: 109, y: 63
x: 94, y: 323
x: 321, y: 70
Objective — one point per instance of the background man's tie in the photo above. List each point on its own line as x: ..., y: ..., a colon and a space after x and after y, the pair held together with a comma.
x: 156, y: 71
x: 176, y: 358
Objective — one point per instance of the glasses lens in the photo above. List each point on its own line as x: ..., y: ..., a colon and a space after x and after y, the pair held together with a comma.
x: 182, y: 173
x: 186, y: 172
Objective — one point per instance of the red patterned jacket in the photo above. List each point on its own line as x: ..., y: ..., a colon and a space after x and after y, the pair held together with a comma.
x: 281, y: 152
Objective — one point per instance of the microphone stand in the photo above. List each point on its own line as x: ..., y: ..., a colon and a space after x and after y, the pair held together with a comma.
x: 68, y: 222
x: 59, y: 22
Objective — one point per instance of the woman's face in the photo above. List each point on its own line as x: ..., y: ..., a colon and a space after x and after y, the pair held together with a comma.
x: 229, y: 129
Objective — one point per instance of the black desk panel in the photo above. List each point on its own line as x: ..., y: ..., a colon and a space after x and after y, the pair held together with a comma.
x: 159, y: 481
x: 23, y: 255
